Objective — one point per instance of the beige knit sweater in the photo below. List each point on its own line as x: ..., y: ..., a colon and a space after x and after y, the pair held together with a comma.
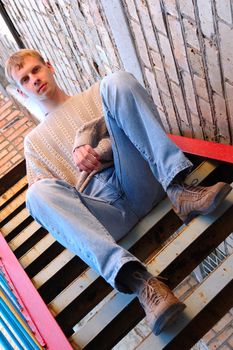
x: 78, y: 121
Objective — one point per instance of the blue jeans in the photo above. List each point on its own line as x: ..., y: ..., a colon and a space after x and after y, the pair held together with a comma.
x: 145, y: 162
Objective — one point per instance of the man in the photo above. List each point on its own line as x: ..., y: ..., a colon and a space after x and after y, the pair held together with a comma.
x: 96, y: 165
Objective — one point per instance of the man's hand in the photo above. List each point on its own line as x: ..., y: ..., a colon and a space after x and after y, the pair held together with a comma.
x: 86, y: 158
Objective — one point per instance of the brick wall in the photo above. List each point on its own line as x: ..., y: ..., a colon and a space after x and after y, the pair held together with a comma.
x: 14, y: 125
x: 220, y: 337
x: 73, y: 35
x: 184, y: 49
x: 8, y: 44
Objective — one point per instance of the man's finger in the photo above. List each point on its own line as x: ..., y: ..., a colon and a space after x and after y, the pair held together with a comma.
x: 91, y: 150
x: 87, y: 164
x: 85, y: 155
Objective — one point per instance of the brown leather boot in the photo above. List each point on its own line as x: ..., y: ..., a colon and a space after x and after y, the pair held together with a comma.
x: 160, y: 304
x: 189, y: 200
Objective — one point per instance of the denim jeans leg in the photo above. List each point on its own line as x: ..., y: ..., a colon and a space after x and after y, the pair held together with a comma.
x: 58, y: 207
x: 143, y: 154
x: 105, y: 200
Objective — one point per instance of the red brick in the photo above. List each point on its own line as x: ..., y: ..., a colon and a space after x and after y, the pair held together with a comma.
x: 20, y: 147
x: 3, y: 123
x: 227, y: 319
x: 209, y: 336
x: 153, y: 87
x: 28, y: 130
x: 7, y: 157
x: 226, y: 47
x: 17, y: 141
x: 207, y: 116
x: 140, y: 42
x: 198, y: 132
x: 221, y: 115
x: 168, y: 58
x: 5, y: 114
x: 13, y: 115
x: 132, y: 9
x: 3, y: 153
x: 190, y: 95
x: 16, y: 158
x: 4, y: 144
x: 159, y: 72
x: 8, y: 132
x: 171, y: 113
x: 178, y: 97
x: 201, y: 88
x: 206, y: 17
x: 4, y: 168
x: 156, y: 15
x: 224, y: 10
x: 170, y: 6
x: 178, y: 42
x: 225, y: 347
x: 220, y: 339
x: 230, y: 341
x: 17, y: 132
x: 186, y: 6
x: 147, y: 25
x: 22, y: 121
x: 6, y: 105
x: 31, y: 123
x: 10, y: 148
x: 214, y: 71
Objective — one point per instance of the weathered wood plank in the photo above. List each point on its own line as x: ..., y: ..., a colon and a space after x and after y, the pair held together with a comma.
x: 33, y: 253
x: 14, y: 222
x: 12, y: 177
x: 6, y: 196
x: 102, y: 315
x: 11, y: 207
x: 24, y: 235
x: 55, y: 265
x: 196, y: 302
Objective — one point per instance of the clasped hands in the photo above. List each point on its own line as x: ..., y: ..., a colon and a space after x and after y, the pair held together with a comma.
x: 86, y: 158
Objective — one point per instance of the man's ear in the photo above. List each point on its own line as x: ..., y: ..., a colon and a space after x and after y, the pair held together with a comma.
x: 49, y: 65
x: 21, y: 93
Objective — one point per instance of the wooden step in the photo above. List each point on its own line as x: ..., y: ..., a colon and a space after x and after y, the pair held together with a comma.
x: 89, y: 312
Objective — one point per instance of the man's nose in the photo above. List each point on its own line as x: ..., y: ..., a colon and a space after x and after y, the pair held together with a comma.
x: 36, y: 81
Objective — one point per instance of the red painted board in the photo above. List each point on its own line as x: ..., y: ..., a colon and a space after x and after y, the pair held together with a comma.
x: 48, y: 328
x: 203, y: 148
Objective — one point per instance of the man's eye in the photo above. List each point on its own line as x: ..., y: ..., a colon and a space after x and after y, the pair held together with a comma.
x: 24, y: 80
x: 36, y: 69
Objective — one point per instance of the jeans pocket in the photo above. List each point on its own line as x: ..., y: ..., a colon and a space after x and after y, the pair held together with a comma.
x: 101, y: 188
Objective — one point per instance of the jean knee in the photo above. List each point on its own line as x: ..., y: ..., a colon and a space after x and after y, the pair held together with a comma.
x: 36, y: 191
x: 121, y: 80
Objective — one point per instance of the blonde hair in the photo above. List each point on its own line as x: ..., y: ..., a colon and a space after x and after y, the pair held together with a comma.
x: 17, y: 60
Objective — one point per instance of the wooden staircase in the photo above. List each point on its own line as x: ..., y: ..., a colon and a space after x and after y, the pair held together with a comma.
x: 90, y: 313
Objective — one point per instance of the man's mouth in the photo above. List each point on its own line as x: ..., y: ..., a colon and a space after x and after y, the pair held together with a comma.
x: 41, y: 88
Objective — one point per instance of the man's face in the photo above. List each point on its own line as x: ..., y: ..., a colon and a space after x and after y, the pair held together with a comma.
x: 35, y: 79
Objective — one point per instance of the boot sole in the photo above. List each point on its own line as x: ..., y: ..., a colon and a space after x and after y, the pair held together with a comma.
x: 168, y: 317
x: 216, y: 202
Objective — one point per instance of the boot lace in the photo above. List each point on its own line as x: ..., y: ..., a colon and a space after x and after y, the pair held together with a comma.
x: 153, y: 291
x: 192, y: 188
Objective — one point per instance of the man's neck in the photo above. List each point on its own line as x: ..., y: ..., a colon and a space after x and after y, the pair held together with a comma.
x: 49, y: 105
